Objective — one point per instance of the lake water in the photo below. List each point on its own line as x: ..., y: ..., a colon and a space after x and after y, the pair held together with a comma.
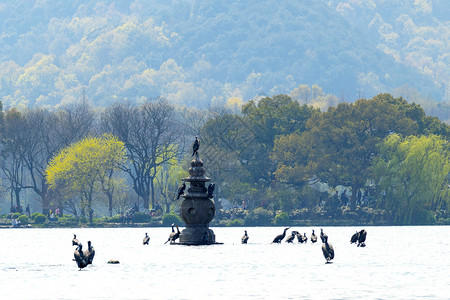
x: 398, y: 263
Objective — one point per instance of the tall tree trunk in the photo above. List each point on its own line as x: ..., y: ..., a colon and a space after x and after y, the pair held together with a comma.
x: 353, y: 198
x: 17, y: 193
x: 110, y: 203
x: 152, y: 191
x: 45, y: 197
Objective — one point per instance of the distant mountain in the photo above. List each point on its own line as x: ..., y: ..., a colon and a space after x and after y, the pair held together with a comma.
x: 199, y: 52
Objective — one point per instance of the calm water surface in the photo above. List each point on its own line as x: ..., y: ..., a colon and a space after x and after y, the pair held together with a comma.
x: 398, y: 263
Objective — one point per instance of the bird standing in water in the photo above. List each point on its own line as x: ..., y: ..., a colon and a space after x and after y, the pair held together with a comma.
x: 322, y: 235
x: 327, y: 250
x: 313, y: 237
x: 280, y: 237
x: 291, y: 238
x: 245, y: 237
x: 146, y: 239
x: 173, y: 235
x: 362, y: 238
x: 79, y: 257
x: 354, y: 238
x: 89, y: 253
x: 74, y: 240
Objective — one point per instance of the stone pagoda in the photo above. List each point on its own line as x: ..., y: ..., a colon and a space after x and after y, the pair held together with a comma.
x: 197, y: 209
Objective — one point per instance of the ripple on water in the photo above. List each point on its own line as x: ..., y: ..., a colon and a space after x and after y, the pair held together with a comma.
x: 404, y: 268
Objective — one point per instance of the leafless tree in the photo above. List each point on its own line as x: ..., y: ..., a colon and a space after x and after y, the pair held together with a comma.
x: 151, y: 138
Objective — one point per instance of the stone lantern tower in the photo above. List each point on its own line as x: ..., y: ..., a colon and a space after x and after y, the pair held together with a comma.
x: 197, y: 209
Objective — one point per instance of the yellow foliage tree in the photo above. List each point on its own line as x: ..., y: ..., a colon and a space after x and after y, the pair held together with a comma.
x: 85, y: 167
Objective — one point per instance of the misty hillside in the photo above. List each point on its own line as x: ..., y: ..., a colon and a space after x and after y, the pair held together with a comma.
x: 203, y: 52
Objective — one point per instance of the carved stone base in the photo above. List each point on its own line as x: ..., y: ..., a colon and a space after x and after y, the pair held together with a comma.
x: 197, y: 235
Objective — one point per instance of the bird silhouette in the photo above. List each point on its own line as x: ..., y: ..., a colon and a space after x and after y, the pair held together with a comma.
x: 196, y: 146
x: 79, y: 257
x: 181, y: 189
x: 74, y: 240
x: 299, y: 237
x: 327, y: 250
x: 362, y: 238
x: 146, y: 239
x: 89, y: 253
x: 313, y: 237
x: 245, y: 237
x: 322, y: 235
x: 304, y: 238
x: 211, y: 187
x: 280, y: 237
x: 290, y: 238
x: 354, y: 238
x: 173, y: 235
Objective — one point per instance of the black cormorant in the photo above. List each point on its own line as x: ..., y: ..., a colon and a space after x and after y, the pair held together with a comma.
x: 299, y: 237
x: 211, y: 190
x: 327, y: 249
x: 79, y: 257
x: 290, y: 238
x: 74, y: 240
x: 322, y: 235
x: 304, y: 238
x: 354, y: 238
x: 181, y: 189
x: 196, y: 146
x: 146, y: 239
x: 89, y: 253
x: 362, y: 238
x: 313, y: 237
x: 173, y: 235
x: 245, y: 237
x: 279, y: 237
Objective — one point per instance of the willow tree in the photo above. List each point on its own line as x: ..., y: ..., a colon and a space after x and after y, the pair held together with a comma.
x: 86, y: 167
x: 412, y: 173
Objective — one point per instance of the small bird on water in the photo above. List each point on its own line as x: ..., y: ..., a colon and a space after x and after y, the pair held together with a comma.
x: 327, y: 250
x: 146, y: 239
x: 89, y: 253
x: 245, y: 237
x: 79, y: 257
x: 173, y: 235
x: 74, y: 240
x: 280, y: 237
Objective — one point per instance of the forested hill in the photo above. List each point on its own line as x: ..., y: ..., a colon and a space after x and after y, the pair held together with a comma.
x: 198, y: 52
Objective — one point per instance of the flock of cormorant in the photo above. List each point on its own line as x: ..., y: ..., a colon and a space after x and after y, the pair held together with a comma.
x: 84, y: 258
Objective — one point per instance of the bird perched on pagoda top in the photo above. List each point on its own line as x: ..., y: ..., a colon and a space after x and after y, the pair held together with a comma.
x: 196, y: 146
